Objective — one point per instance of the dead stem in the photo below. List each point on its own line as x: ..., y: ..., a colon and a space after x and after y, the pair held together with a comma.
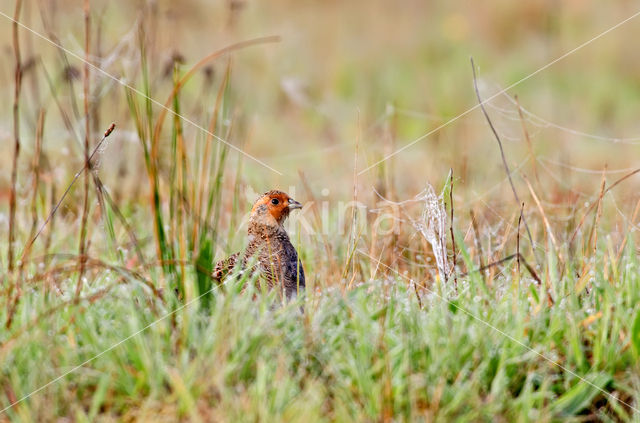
x: 16, y: 134
x: 504, y: 159
x: 87, y: 133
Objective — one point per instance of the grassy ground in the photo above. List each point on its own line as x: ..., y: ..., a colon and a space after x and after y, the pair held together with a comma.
x: 108, y: 313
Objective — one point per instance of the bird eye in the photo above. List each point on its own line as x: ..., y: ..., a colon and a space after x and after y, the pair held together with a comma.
x: 274, y: 201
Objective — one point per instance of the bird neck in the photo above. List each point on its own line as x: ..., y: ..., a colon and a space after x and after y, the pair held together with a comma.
x: 269, y: 228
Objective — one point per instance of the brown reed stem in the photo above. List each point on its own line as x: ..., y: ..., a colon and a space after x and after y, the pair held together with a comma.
x: 87, y: 134
x: 16, y: 134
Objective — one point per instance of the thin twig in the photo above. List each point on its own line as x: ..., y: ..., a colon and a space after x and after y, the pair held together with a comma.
x: 504, y: 159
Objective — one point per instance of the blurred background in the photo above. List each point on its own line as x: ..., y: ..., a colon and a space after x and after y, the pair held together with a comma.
x: 373, y: 73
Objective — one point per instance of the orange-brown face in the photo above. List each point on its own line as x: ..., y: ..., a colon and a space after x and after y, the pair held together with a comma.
x: 276, y: 204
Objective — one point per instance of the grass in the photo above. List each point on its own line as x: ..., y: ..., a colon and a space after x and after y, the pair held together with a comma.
x: 419, y: 306
x: 375, y: 351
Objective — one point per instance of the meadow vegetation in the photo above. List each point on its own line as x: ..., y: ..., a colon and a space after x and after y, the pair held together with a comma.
x: 453, y: 272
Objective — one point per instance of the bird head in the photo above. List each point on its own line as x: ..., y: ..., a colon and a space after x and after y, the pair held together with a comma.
x: 273, y: 208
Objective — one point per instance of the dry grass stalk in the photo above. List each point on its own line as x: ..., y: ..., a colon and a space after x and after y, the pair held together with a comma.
x: 453, y: 238
x: 13, y: 282
x: 547, y: 225
x: 502, y: 155
x: 16, y: 134
x: 87, y: 134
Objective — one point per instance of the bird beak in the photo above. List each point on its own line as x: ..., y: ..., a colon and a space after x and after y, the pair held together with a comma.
x: 293, y: 204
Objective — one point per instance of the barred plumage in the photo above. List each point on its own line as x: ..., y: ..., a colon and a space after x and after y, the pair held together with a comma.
x: 269, y: 247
